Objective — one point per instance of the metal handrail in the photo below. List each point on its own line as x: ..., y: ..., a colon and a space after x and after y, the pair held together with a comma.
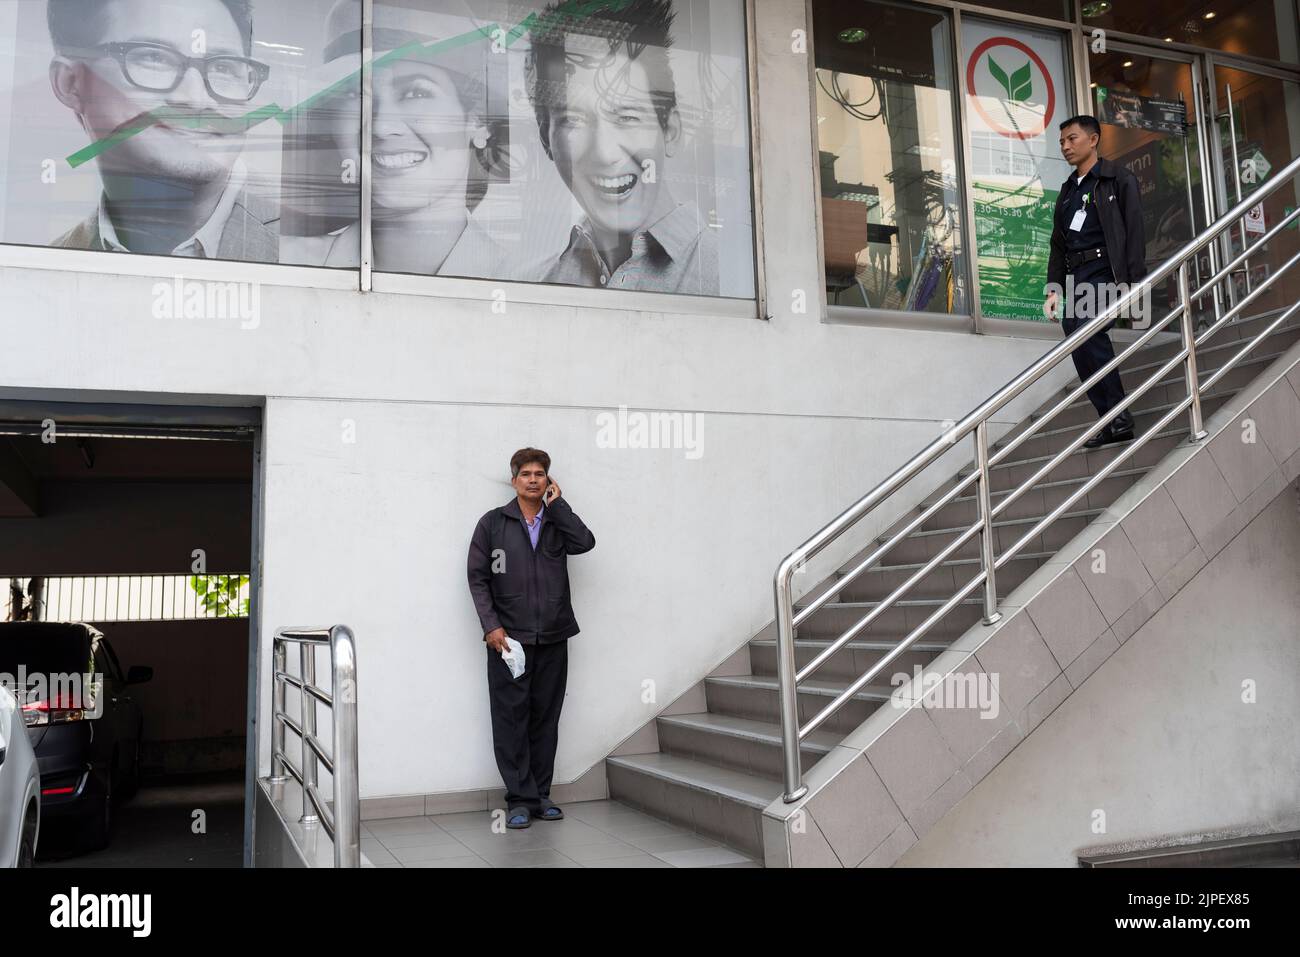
x: 342, y: 821
x: 976, y: 423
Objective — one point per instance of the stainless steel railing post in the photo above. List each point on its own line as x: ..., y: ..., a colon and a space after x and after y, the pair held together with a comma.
x: 279, y: 664
x: 347, y: 816
x: 310, y: 770
x: 1189, y: 343
x: 984, y: 505
x: 786, y: 687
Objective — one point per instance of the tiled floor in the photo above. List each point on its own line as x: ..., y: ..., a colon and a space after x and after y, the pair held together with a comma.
x: 592, y: 834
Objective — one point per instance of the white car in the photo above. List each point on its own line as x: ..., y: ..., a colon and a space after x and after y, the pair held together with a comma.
x: 20, y: 787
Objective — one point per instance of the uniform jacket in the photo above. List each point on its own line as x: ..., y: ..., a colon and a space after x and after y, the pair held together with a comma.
x: 526, y: 592
x: 1119, y: 205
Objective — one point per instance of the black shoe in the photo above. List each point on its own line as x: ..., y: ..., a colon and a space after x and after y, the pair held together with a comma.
x: 1100, y: 439
x: 1123, y: 423
x: 1108, y: 436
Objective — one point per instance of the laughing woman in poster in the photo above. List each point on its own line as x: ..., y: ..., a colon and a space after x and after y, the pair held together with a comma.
x: 433, y: 145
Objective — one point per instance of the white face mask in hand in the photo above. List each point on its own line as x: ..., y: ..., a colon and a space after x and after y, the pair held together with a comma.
x: 513, y: 656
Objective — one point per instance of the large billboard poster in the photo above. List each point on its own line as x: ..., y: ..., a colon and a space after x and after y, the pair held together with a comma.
x: 1017, y: 95
x: 601, y: 143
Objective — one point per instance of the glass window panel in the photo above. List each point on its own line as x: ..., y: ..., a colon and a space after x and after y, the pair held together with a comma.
x: 165, y: 128
x: 1266, y: 118
x: 891, y: 209
x: 580, y: 143
x: 1146, y: 126
x: 1056, y: 9
x: 1018, y: 92
x: 1265, y: 28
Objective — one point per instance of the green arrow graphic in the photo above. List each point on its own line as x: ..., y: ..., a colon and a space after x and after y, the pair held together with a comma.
x: 574, y: 9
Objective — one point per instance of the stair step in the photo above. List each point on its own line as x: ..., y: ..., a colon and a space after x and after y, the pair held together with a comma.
x: 1002, y: 523
x: 1057, y: 483
x: 827, y: 689
x: 1040, y: 459
x: 901, y: 603
x: 1176, y: 376
x: 747, y: 789
x: 859, y: 644
x: 1155, y: 410
x: 950, y: 563
x: 748, y: 729
x: 720, y: 803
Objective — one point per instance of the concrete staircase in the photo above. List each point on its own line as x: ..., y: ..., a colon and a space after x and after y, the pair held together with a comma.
x: 717, y: 764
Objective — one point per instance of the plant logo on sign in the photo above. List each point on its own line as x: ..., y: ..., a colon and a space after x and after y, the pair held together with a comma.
x: 1010, y: 88
x: 1019, y: 85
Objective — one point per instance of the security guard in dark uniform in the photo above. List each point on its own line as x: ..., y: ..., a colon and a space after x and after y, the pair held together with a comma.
x: 1097, y: 240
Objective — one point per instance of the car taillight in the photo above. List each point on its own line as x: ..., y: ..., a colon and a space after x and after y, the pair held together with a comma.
x: 63, y: 709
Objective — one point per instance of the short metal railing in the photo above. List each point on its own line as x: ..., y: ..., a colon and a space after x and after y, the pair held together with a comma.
x: 342, y: 820
x: 975, y: 424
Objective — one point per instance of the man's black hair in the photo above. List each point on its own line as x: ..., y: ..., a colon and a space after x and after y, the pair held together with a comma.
x: 643, y: 28
x: 1089, y: 123
x: 73, y: 22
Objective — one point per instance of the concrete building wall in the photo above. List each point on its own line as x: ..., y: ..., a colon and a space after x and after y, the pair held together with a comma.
x: 1160, y: 742
x: 390, y: 419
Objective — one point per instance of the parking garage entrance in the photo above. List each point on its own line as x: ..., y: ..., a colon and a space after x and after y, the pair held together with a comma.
x: 127, y: 542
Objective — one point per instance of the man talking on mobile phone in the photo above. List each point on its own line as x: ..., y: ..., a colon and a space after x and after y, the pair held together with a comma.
x: 519, y: 579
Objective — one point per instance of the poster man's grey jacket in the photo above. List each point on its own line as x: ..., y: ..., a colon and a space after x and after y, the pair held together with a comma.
x: 522, y: 589
x: 1119, y: 205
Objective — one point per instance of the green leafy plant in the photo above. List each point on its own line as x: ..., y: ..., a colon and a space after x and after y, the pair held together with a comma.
x: 1019, y: 85
x: 220, y: 594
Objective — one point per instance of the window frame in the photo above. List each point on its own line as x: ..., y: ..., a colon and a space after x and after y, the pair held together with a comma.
x: 367, y: 279
x: 974, y: 321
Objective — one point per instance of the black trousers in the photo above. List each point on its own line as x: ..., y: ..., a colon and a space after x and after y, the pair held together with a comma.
x: 1096, y: 351
x: 526, y: 720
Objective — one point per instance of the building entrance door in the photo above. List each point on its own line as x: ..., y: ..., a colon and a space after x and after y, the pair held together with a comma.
x: 1257, y: 115
x: 1201, y: 132
x: 1153, y: 122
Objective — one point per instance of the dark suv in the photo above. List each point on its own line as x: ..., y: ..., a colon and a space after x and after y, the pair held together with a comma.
x: 83, y: 724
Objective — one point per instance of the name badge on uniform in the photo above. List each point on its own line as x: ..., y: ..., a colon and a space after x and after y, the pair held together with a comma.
x: 1076, y: 224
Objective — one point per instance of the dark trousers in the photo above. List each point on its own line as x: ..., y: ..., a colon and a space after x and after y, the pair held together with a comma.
x: 1095, y: 352
x: 526, y: 720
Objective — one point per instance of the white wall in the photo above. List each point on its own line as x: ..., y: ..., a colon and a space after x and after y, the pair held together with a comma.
x: 800, y: 417
x: 1159, y: 738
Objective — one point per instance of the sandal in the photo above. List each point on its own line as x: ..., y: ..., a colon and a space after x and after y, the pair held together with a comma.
x: 517, y: 818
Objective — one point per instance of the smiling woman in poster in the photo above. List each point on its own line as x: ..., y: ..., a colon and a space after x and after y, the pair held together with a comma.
x: 433, y: 145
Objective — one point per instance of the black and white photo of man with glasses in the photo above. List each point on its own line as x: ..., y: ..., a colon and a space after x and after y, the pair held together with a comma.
x: 168, y: 79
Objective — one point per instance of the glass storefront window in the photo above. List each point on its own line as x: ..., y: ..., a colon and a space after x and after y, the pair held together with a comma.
x: 886, y: 133
x: 161, y: 128
x: 1017, y: 86
x: 1266, y: 121
x: 1263, y: 28
x: 1056, y: 9
x: 1148, y: 125
x: 600, y: 143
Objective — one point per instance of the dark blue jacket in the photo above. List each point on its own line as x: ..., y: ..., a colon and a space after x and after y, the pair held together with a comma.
x: 526, y: 592
x: 1119, y: 205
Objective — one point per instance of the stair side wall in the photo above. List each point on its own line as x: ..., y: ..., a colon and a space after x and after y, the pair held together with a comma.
x: 892, y: 780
